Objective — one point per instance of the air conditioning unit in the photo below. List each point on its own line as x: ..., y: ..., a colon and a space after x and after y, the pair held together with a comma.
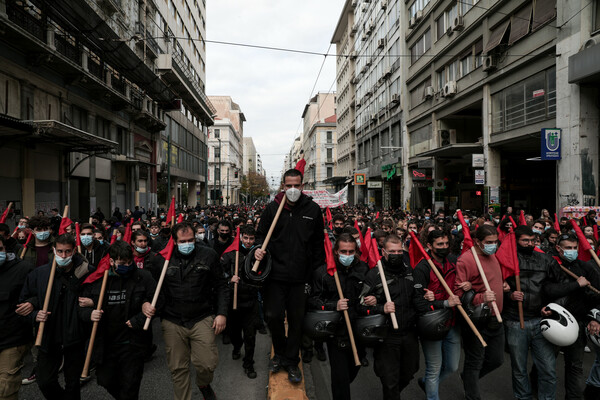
x: 371, y: 25
x: 373, y: 117
x: 353, y: 55
x: 429, y: 92
x: 438, y: 184
x: 368, y: 93
x: 384, y: 4
x: 449, y: 31
x: 368, y: 63
x: 387, y: 72
x: 380, y: 43
x: 447, y: 137
x: 490, y: 63
x: 412, y: 22
x: 450, y: 89
x: 419, y: 15
x: 458, y: 24
x: 395, y: 98
x: 354, y: 3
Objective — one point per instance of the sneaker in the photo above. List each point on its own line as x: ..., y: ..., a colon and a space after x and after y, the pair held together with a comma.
x: 30, y: 380
x: 421, y: 382
x: 250, y: 372
x: 294, y: 374
x: 208, y: 393
x: 321, y: 354
x: 307, y: 356
x: 235, y: 355
x: 275, y: 364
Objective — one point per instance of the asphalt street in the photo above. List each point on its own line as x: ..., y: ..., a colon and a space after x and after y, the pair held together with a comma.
x: 230, y: 382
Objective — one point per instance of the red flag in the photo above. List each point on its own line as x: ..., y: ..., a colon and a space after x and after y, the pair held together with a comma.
x: 77, y: 234
x: 414, y: 253
x: 507, y: 256
x: 331, y: 268
x: 103, y: 266
x: 374, y: 256
x: 180, y: 218
x: 28, y: 239
x: 171, y: 212
x: 522, y: 220
x: 513, y: 222
x: 584, y: 220
x: 418, y: 247
x: 596, y: 232
x: 15, y: 231
x: 235, y: 246
x: 584, y: 245
x: 300, y: 165
x: 366, y: 246
x: 127, y: 235
x: 64, y: 222
x: 556, y: 224
x: 329, y: 217
x: 377, y: 215
x: 4, y: 216
x: 467, y: 241
x: 360, y: 235
x: 167, y: 252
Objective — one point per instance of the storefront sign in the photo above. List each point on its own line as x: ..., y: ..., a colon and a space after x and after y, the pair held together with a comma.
x: 374, y: 184
x: 360, y: 179
x: 550, y: 144
x: 389, y: 171
x: 325, y: 199
x: 419, y: 174
x: 478, y: 161
x: 480, y: 177
x: 427, y: 163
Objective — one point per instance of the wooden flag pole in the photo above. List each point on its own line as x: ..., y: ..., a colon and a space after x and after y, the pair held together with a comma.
x: 348, y: 324
x: 386, y: 290
x: 572, y: 275
x: 163, y: 273
x: 25, y: 246
x: 88, y: 357
x: 486, y: 283
x: 271, y: 229
x: 595, y: 257
x: 235, y: 285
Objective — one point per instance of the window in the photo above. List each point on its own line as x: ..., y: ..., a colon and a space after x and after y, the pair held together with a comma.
x: 440, y: 24
x: 418, y: 5
x: 417, y: 95
x: 329, y: 137
x: 329, y: 172
x: 466, y: 5
x: 421, y: 46
x: 217, y: 133
x: 329, y: 155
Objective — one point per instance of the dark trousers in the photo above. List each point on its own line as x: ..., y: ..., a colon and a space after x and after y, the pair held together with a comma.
x: 479, y: 360
x: 121, y: 370
x: 285, y: 299
x: 396, y: 362
x: 48, y: 365
x: 244, y: 320
x: 573, y: 356
x: 343, y: 370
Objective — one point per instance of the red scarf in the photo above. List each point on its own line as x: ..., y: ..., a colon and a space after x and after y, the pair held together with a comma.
x: 448, y: 271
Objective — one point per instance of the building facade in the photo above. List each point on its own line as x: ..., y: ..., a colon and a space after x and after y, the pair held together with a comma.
x: 84, y: 114
x: 226, y: 154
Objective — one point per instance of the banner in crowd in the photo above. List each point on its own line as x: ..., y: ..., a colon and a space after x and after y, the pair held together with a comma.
x: 325, y: 199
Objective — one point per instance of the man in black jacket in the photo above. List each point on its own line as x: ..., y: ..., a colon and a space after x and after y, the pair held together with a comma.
x: 224, y: 239
x: 91, y: 249
x: 193, y: 292
x: 121, y: 343
x: 397, y: 358
x: 64, y: 334
x: 15, y: 335
x: 245, y: 318
x: 296, y: 248
x: 351, y: 273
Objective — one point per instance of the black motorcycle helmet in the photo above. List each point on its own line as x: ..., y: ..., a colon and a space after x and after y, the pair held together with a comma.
x: 372, y: 329
x: 319, y: 324
x: 434, y: 325
x: 477, y: 313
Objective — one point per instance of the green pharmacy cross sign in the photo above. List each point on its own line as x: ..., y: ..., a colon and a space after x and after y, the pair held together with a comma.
x: 389, y: 171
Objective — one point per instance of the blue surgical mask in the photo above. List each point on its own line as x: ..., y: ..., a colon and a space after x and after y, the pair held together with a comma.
x: 185, y: 248
x: 62, y: 261
x: 426, y: 217
x: 42, y: 236
x: 548, y: 227
x: 466, y: 221
x: 346, y: 260
x: 490, y: 249
x: 358, y: 243
x: 141, y: 250
x: 22, y: 226
x: 2, y: 257
x: 124, y: 269
x: 86, y: 240
x: 537, y: 231
x: 570, y: 255
x: 244, y: 246
x: 154, y: 235
x: 101, y: 241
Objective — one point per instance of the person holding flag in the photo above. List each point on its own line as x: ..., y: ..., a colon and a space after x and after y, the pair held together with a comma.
x: 441, y: 356
x: 39, y: 251
x: 397, y: 358
x: 193, y: 306
x: 325, y: 296
x: 64, y: 334
x: 121, y: 344
x: 533, y: 270
x: 479, y: 360
x: 92, y: 250
x: 244, y: 317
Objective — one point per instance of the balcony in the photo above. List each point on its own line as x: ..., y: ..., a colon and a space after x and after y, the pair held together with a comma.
x: 27, y: 19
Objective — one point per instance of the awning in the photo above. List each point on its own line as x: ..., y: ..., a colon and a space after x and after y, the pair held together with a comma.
x: 457, y: 150
x: 584, y: 67
x: 519, y: 25
x: 496, y: 36
x: 74, y: 139
x: 12, y: 128
x: 349, y: 180
x: 544, y: 11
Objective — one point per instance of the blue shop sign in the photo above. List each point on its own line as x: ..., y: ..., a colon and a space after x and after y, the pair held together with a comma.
x: 550, y: 144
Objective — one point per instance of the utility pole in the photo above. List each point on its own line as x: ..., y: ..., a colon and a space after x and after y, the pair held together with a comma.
x: 169, y: 167
x: 220, y: 158
x: 227, y: 185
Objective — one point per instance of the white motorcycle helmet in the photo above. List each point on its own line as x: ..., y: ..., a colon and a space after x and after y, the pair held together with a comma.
x: 595, y: 339
x: 560, y: 328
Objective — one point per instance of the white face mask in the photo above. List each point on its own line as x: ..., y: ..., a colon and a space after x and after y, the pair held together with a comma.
x: 199, y: 236
x: 293, y: 194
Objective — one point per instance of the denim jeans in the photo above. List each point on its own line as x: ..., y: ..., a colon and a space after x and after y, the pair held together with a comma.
x: 441, y: 360
x: 520, y: 341
x: 594, y: 377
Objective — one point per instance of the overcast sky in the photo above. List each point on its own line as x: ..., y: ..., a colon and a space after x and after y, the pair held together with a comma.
x: 271, y: 87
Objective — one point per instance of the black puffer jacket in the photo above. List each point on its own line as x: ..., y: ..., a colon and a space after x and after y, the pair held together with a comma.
x: 95, y: 254
x: 15, y: 331
x: 402, y: 292
x: 296, y: 245
x: 195, y: 287
x: 537, y: 271
x: 247, y: 295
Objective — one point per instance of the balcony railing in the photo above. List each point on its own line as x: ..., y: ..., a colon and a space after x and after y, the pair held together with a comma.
x: 26, y: 20
x: 67, y: 49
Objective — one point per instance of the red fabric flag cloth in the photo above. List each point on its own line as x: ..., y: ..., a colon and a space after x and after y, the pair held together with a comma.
x: 507, y: 256
x: 113, y: 238
x: 64, y: 222
x: 171, y: 212
x: 103, y: 266
x: 167, y: 252
x: 514, y: 225
x: 374, y: 256
x: 28, y: 239
x: 584, y: 220
x: 467, y: 241
x: 360, y: 235
x: 4, y: 216
x: 414, y: 253
x: 330, y: 260
x: 77, y: 234
x: 366, y: 246
x: 180, y: 218
x: 418, y: 250
x: 127, y: 236
x: 522, y: 220
x: 584, y: 245
x: 377, y: 215
x: 556, y: 224
x: 596, y: 232
x: 329, y: 217
x: 300, y: 165
x: 235, y: 246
